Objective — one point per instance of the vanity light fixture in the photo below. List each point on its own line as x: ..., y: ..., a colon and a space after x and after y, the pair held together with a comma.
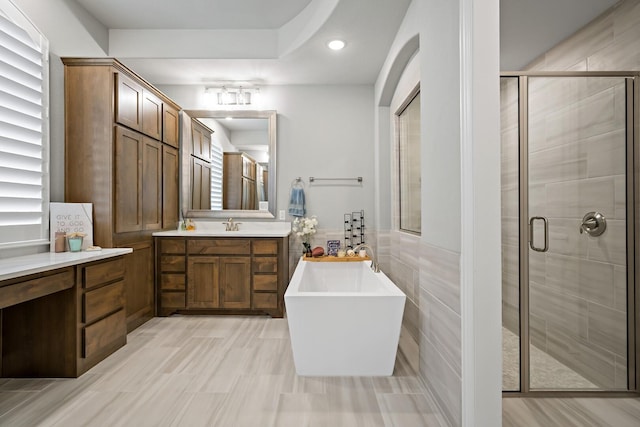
x: 336, y: 44
x: 232, y: 95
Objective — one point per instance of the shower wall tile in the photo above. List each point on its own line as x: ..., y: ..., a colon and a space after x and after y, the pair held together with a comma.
x: 510, y: 288
x: 611, y: 246
x: 441, y: 326
x: 580, y: 278
x: 538, y: 200
x: 593, y: 116
x: 620, y: 197
x: 564, y: 163
x: 621, y: 380
x: 511, y: 232
x: 576, y: 198
x: 440, y: 275
x: 620, y: 287
x: 443, y: 382
x: 606, y: 154
x: 537, y: 267
x: 608, y: 329
x: 565, y: 237
x: 568, y: 53
x: 617, y: 55
x: 538, y: 331
x: 510, y: 207
x: 592, y: 362
x: 562, y: 312
x: 411, y: 319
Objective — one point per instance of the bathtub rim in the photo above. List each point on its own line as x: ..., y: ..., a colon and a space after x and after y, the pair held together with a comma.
x: 390, y: 288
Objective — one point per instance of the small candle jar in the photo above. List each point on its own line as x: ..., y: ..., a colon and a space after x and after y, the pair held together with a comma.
x: 341, y: 253
x: 362, y: 253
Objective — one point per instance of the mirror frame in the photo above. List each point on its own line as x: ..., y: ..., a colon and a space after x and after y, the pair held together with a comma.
x: 185, y: 186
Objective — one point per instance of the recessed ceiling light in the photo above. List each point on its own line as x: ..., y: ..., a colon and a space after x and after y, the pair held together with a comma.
x: 336, y: 44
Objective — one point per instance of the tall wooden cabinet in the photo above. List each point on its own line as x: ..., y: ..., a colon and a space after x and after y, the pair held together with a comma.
x: 121, y: 154
x: 239, y: 190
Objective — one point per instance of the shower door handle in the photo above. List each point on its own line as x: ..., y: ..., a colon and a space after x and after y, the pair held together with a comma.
x: 532, y: 245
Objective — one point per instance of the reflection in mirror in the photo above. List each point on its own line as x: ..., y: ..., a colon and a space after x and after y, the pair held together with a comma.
x: 229, y: 163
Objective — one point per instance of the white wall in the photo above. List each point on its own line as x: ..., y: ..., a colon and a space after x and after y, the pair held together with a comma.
x: 323, y: 131
x: 71, y: 31
x: 456, y: 260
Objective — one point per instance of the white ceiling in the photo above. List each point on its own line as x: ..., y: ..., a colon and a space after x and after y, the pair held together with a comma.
x: 284, y: 41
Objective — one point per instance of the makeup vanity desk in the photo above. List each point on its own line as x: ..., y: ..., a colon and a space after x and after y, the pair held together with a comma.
x: 61, y: 313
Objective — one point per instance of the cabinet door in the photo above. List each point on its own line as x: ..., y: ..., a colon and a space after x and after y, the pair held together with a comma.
x: 128, y: 102
x: 235, y: 282
x: 151, y: 115
x: 205, y: 144
x: 196, y: 140
x: 170, y: 127
x: 128, y: 180
x: 138, y: 284
x: 170, y: 187
x: 203, y: 282
x: 200, y: 184
x: 151, y: 184
x: 196, y: 182
x: 205, y: 186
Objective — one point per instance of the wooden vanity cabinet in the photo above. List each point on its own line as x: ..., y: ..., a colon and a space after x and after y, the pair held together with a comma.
x: 221, y: 275
x: 121, y: 155
x: 61, y: 323
x: 102, y: 321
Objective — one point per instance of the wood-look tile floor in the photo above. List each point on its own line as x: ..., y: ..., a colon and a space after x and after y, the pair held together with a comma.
x: 214, y: 371
x: 238, y: 371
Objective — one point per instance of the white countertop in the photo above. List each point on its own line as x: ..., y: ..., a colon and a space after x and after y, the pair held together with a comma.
x: 246, y: 229
x: 36, y: 263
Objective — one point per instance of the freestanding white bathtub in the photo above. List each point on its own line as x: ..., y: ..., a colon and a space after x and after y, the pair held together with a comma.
x: 344, y: 319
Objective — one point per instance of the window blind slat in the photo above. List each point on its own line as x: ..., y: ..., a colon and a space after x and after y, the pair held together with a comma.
x: 216, y: 176
x: 21, y: 91
x: 17, y: 133
x: 22, y: 130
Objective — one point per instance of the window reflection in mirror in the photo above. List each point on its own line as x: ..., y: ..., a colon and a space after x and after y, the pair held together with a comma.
x: 408, y: 140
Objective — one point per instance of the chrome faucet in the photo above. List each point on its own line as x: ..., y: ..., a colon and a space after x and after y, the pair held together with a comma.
x: 374, y: 261
x: 230, y: 225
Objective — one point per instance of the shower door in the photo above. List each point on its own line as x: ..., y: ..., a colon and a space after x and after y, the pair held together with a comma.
x: 575, y: 142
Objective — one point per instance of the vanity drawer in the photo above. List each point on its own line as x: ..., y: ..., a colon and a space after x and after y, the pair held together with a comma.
x: 104, y: 332
x: 265, y: 265
x: 265, y: 282
x: 172, y: 282
x: 219, y: 247
x: 104, y: 272
x: 25, y: 290
x: 175, y: 263
x: 170, y: 246
x: 265, y: 300
x: 102, y: 301
x: 265, y: 247
x: 173, y: 300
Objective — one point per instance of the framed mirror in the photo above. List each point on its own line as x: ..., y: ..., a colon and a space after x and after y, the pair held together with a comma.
x: 228, y: 163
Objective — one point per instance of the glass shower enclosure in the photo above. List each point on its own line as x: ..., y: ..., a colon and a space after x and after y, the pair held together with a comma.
x: 568, y: 231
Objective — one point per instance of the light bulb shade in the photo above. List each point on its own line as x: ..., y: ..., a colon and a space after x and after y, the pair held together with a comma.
x: 240, y: 96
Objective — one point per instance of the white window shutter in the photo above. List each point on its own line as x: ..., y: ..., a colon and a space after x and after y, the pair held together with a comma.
x: 23, y: 180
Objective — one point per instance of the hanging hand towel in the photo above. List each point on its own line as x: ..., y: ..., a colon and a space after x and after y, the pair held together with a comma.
x: 296, y: 202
